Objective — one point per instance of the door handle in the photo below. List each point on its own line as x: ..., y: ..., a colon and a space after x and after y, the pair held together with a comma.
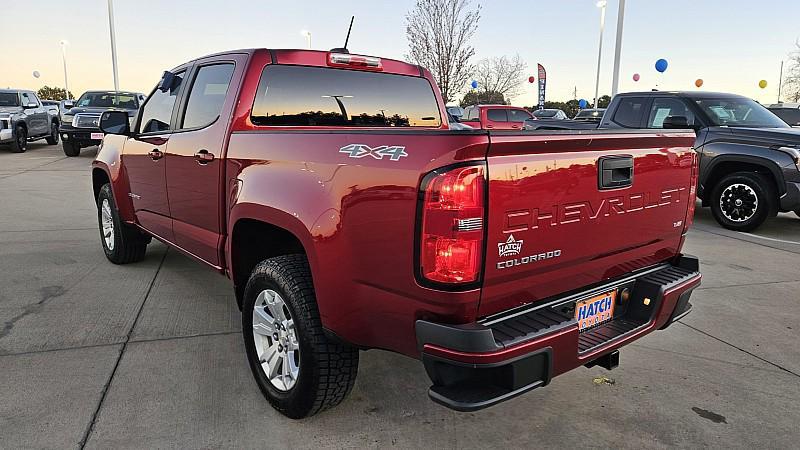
x: 155, y: 154
x: 203, y: 157
x: 614, y: 172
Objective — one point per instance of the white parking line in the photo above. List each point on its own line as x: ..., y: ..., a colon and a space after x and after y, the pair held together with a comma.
x: 771, y: 239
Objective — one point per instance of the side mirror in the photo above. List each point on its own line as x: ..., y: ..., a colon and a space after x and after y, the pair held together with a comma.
x: 676, y: 122
x: 115, y: 122
x: 68, y: 104
x: 168, y: 81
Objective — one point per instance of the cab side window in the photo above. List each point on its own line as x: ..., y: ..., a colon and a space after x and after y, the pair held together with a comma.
x: 157, y: 112
x: 518, y: 115
x: 27, y: 99
x: 497, y: 115
x: 629, y: 112
x: 207, y: 95
x: 666, y: 107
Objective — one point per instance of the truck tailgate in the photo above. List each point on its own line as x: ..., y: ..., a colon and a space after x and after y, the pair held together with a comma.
x: 568, y: 210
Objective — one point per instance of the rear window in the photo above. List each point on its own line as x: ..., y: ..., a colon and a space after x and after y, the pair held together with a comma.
x: 317, y: 96
x: 518, y: 115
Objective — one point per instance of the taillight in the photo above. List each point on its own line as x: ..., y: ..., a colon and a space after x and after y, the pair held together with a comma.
x: 358, y: 61
x: 692, y: 194
x: 451, y: 224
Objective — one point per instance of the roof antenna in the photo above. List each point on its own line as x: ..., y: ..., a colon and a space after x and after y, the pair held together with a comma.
x: 347, y: 39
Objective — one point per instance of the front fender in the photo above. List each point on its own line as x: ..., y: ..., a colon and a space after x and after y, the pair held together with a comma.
x: 109, y: 160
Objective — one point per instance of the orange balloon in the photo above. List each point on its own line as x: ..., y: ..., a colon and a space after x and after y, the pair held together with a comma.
x: 698, y: 82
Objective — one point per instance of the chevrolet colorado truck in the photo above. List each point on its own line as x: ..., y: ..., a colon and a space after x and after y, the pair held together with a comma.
x: 23, y: 119
x: 329, y: 189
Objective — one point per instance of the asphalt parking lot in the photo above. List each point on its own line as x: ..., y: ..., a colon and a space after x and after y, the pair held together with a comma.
x: 149, y: 355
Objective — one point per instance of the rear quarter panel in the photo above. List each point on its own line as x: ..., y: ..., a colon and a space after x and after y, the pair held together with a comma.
x: 355, y: 218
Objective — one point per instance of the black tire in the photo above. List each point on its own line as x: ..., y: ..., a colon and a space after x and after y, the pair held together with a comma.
x: 749, y: 199
x: 52, y: 139
x: 128, y: 244
x: 71, y: 148
x: 20, y: 143
x: 327, y: 369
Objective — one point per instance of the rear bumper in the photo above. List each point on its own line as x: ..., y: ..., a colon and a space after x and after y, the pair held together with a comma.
x: 477, y: 365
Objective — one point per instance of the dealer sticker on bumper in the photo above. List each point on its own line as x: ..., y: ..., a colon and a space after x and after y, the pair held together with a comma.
x: 96, y: 136
x: 595, y: 310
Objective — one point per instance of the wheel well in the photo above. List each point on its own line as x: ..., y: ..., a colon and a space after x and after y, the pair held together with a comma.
x: 253, y: 241
x: 22, y: 124
x: 55, y: 120
x: 728, y: 167
x: 99, y: 178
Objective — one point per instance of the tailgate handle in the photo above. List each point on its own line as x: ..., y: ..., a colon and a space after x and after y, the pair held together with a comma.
x: 615, y: 172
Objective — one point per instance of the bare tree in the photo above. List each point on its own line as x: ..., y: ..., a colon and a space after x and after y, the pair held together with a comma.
x: 438, y: 33
x: 501, y: 75
x: 791, y: 82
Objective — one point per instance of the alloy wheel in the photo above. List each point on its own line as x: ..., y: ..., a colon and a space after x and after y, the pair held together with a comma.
x: 275, y: 339
x: 738, y: 202
x: 107, y: 223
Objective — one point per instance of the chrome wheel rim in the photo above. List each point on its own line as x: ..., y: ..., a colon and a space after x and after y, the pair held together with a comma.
x: 275, y: 339
x: 738, y: 202
x: 107, y: 224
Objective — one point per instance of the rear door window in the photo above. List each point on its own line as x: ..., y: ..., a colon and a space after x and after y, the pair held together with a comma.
x: 207, y: 95
x: 629, y: 112
x: 497, y: 115
x: 317, y: 96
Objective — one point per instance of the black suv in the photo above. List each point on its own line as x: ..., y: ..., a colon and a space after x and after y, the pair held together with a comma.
x: 749, y: 158
x: 81, y: 123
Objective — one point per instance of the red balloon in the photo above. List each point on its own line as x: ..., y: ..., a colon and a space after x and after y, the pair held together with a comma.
x: 636, y: 77
x: 531, y: 79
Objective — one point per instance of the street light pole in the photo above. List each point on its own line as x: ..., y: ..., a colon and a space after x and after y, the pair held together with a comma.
x: 63, y: 44
x: 307, y: 34
x: 113, y: 43
x: 602, y: 5
x: 618, y: 47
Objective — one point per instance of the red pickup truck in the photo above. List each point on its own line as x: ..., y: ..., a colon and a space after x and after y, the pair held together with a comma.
x: 496, y: 117
x: 329, y: 189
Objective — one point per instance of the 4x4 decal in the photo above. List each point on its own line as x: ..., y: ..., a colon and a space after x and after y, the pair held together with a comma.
x: 394, y: 152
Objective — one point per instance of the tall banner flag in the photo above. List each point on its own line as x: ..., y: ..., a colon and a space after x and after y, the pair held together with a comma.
x: 542, y: 84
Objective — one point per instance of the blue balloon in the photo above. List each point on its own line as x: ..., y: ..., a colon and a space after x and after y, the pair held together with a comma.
x: 583, y: 103
x: 661, y: 65
x: 474, y: 84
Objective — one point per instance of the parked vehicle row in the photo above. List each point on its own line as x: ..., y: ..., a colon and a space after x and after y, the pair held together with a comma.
x: 331, y: 190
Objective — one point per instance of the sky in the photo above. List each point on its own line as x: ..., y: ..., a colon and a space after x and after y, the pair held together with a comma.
x: 730, y: 44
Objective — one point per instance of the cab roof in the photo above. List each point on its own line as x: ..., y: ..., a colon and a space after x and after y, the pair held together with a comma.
x: 319, y: 58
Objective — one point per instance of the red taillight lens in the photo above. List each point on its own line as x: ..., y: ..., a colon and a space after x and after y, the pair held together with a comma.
x: 692, y: 194
x: 451, y: 243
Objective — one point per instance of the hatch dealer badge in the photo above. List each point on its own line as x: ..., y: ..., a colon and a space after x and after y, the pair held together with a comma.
x: 510, y: 247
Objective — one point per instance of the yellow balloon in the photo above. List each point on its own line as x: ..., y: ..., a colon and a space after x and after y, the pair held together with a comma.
x: 762, y: 84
